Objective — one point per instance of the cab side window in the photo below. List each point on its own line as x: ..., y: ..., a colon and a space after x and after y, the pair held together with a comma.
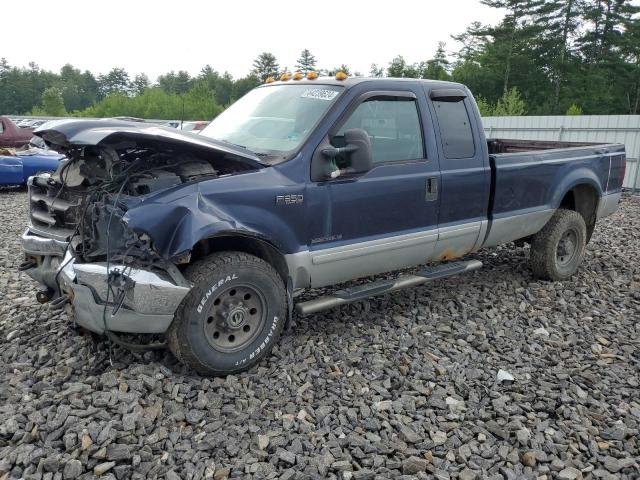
x: 393, y: 126
x: 455, y: 129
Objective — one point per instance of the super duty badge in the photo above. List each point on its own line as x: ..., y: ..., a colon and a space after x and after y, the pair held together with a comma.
x: 289, y: 199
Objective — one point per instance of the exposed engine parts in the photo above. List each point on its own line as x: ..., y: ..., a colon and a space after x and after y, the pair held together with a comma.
x: 86, y: 198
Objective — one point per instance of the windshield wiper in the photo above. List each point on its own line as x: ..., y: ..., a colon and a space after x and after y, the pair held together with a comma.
x: 235, y: 144
x: 257, y: 154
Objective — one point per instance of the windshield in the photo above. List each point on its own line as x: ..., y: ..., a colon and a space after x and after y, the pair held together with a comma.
x: 274, y: 120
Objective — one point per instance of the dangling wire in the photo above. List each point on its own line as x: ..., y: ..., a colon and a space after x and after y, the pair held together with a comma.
x: 104, y: 310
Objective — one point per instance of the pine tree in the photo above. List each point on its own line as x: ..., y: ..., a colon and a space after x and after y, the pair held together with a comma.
x: 558, y: 21
x: 116, y: 81
x: 472, y: 42
x: 375, y: 71
x: 606, y: 47
x: 306, y: 63
x: 265, y: 66
x: 397, y: 68
x: 140, y: 83
x: 436, y: 68
x: 512, y: 32
x: 630, y: 51
x: 52, y: 102
x: 510, y: 104
x: 342, y: 68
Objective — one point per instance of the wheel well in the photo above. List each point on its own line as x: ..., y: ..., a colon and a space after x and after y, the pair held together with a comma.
x: 240, y: 243
x: 584, y: 200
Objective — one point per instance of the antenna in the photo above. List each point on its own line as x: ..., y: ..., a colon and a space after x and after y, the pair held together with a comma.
x: 182, y: 119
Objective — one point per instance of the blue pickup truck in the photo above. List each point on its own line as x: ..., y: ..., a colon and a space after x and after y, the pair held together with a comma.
x: 302, y: 183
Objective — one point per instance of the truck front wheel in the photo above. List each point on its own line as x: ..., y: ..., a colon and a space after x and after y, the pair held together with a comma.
x: 558, y: 249
x: 232, y: 316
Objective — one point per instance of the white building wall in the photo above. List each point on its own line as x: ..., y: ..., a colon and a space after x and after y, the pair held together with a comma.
x: 579, y: 128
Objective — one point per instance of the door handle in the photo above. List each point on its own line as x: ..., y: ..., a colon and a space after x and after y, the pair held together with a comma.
x: 432, y: 189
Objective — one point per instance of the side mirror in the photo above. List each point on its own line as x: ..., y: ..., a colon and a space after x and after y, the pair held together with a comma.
x: 357, y: 150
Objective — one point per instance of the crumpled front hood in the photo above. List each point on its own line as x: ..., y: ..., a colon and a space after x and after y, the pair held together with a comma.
x: 65, y: 134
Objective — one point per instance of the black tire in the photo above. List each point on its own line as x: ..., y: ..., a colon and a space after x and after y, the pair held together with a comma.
x: 232, y: 316
x: 558, y: 249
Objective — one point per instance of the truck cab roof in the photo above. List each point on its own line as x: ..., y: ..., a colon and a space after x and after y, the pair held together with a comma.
x: 353, y: 81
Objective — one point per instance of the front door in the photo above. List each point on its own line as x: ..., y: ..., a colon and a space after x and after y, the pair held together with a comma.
x: 386, y: 218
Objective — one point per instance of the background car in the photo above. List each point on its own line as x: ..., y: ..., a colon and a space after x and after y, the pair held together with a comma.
x: 194, y: 126
x: 11, y: 136
x: 15, y: 169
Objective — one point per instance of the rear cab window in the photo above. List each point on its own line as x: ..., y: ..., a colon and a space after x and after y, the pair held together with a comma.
x: 455, y: 129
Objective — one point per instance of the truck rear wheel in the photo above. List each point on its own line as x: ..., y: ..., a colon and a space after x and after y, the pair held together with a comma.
x: 558, y: 249
x: 232, y: 316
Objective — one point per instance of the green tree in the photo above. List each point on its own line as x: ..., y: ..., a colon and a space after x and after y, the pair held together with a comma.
x: 243, y: 86
x: 558, y: 22
x: 472, y: 42
x: 223, y: 89
x: 397, y: 67
x: 306, y: 63
x: 79, y: 90
x: 140, y: 83
x: 376, y: 71
x: 485, y: 108
x: 200, y: 102
x: 512, y: 34
x: 52, y: 103
x: 342, y: 68
x: 437, y: 67
x: 116, y: 81
x: 510, y: 104
x: 265, y: 66
x: 173, y: 82
x: 574, y: 110
x: 606, y: 47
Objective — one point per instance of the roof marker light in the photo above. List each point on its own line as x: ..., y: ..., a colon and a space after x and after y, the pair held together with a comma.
x: 284, y: 77
x: 341, y: 76
x: 298, y: 76
x: 312, y: 75
x: 270, y: 80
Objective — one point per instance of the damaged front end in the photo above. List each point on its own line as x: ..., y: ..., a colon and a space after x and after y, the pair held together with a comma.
x: 79, y: 243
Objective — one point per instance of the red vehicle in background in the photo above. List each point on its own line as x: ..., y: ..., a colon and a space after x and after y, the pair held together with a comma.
x: 11, y: 136
x: 195, y: 127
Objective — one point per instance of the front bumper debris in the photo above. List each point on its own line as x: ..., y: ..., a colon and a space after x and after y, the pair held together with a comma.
x: 145, y: 302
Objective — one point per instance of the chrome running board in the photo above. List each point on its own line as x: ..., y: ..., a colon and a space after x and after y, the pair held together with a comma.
x: 360, y: 292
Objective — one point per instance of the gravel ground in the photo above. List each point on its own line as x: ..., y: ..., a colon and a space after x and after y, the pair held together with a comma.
x: 406, y: 388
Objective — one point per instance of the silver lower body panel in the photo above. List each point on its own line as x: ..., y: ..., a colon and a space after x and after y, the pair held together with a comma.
x: 517, y: 226
x: 608, y: 204
x: 148, y: 305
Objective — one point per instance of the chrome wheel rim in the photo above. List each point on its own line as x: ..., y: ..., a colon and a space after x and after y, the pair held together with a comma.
x: 235, y: 318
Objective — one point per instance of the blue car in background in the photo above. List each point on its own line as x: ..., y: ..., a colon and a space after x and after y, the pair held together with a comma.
x: 16, y: 169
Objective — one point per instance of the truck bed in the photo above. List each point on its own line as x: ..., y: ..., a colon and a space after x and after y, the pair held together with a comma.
x: 530, y: 177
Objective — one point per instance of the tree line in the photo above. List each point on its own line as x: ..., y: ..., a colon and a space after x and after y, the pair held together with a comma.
x: 545, y: 57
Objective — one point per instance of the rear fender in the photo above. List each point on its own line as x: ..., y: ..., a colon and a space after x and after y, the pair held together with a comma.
x: 581, y: 176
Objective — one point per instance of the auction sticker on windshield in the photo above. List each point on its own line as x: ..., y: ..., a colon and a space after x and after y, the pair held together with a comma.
x: 320, y: 94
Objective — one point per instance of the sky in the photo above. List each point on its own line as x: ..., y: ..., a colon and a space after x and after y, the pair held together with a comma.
x: 156, y: 36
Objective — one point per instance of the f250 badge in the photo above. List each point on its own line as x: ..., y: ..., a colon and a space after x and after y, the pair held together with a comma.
x: 289, y: 199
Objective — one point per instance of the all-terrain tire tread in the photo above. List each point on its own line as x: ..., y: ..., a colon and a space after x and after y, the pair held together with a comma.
x: 200, y: 271
x: 543, y: 245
